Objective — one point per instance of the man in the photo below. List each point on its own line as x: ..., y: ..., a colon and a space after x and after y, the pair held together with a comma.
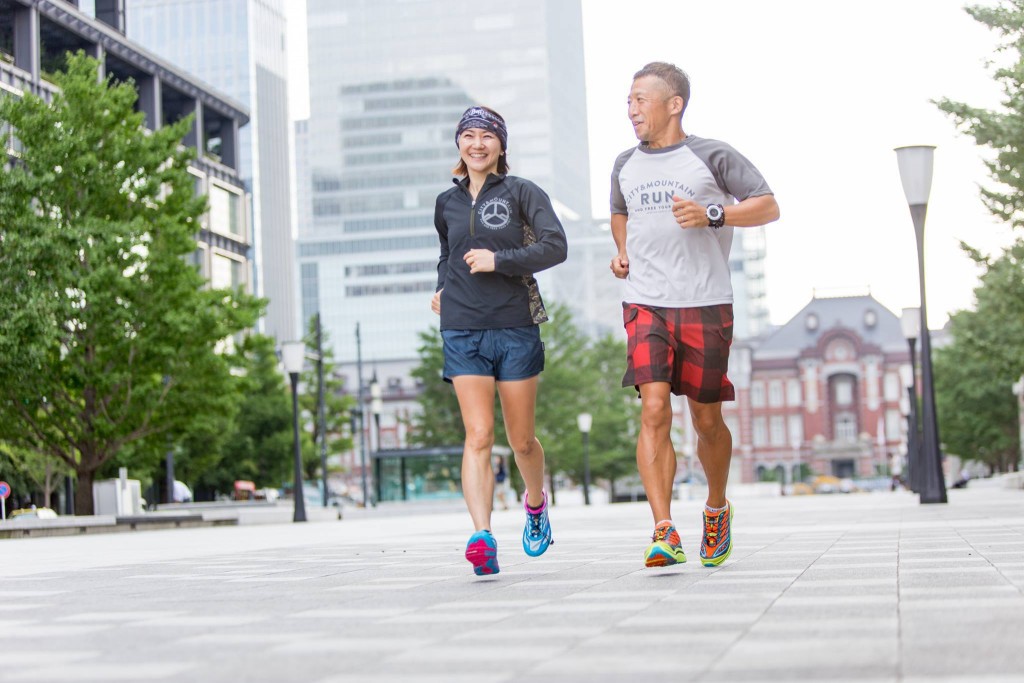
x: 675, y: 199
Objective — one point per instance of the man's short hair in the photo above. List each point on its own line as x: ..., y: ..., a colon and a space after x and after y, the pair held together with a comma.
x: 674, y: 77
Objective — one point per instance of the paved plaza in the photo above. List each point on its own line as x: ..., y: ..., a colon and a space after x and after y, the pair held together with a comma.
x: 861, y: 587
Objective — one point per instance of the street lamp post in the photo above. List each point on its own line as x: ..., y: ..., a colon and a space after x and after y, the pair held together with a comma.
x: 915, y: 164
x: 321, y: 407
x: 910, y: 322
x: 795, y: 440
x: 585, y: 421
x: 376, y: 407
x: 293, y: 357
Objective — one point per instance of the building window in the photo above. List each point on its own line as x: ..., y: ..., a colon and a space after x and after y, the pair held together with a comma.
x: 892, y: 386
x: 777, y: 430
x: 226, y: 272
x: 846, y: 427
x: 843, y: 391
x: 225, y: 211
x: 760, y: 432
x: 893, y: 422
x: 793, y: 392
x: 775, y: 393
x: 796, y: 429
x: 757, y: 394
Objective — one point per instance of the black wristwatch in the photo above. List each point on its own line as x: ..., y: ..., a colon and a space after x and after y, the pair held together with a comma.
x: 716, y: 216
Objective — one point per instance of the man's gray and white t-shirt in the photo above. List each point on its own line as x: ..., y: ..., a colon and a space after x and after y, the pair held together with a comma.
x: 669, y: 266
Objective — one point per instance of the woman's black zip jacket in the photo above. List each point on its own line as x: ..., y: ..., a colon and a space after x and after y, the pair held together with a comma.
x: 497, y: 221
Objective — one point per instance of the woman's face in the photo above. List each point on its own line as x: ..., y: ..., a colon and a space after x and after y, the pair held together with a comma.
x: 480, y: 149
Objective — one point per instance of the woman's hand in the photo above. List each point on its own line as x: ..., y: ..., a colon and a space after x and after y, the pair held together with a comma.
x: 435, y: 303
x: 479, y: 260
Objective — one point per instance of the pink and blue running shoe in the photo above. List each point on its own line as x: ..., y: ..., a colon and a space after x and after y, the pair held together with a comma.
x: 482, y: 552
x: 537, y: 533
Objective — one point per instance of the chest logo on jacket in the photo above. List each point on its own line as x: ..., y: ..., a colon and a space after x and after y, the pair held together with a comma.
x: 495, y: 214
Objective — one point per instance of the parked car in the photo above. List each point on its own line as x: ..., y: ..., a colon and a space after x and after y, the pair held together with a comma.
x: 33, y: 513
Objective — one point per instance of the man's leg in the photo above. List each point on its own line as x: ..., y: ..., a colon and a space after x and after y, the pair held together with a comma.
x: 655, y: 457
x: 714, y: 448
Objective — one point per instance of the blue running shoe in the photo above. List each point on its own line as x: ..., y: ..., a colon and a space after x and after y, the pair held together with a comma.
x: 482, y: 552
x: 537, y: 533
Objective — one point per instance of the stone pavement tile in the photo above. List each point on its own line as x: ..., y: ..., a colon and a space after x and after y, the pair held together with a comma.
x: 771, y: 626
x: 967, y: 659
x: 101, y: 671
x: 817, y: 659
x: 855, y: 587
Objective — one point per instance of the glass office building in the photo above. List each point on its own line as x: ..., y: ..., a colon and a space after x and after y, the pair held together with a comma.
x: 388, y: 82
x: 238, y: 46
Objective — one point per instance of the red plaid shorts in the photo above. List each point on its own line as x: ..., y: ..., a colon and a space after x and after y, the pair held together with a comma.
x: 686, y: 347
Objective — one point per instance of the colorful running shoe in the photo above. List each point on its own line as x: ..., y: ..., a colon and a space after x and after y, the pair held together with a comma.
x: 537, y: 533
x: 665, y: 547
x: 717, y: 543
x: 482, y: 552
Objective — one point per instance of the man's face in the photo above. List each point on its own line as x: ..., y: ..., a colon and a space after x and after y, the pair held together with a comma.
x: 652, y: 108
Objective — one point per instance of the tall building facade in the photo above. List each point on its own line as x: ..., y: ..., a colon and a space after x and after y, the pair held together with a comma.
x: 238, y: 46
x: 34, y: 37
x: 388, y: 82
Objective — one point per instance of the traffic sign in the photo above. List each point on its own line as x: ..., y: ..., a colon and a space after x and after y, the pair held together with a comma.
x: 5, y: 489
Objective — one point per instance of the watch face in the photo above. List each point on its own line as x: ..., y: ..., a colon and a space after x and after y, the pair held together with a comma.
x: 714, y: 212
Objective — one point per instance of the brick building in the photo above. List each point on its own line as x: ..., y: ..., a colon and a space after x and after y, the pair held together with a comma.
x: 823, y: 394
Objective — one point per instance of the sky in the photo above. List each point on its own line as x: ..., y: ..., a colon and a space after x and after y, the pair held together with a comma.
x: 817, y: 95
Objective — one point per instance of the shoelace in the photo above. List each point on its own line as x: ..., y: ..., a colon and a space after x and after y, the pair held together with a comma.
x: 711, y: 525
x: 535, y: 523
x: 660, y: 533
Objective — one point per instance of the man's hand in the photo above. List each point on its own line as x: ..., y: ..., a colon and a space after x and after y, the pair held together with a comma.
x: 620, y: 266
x: 689, y: 214
x: 435, y: 303
x: 480, y: 260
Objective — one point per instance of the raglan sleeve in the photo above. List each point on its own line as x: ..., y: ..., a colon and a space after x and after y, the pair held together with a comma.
x: 549, y: 247
x: 442, y: 234
x: 617, y: 202
x: 734, y: 173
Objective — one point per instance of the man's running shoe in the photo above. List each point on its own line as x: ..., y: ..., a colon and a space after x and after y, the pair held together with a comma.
x: 482, y: 552
x: 717, y: 543
x: 537, y: 533
x: 664, y: 548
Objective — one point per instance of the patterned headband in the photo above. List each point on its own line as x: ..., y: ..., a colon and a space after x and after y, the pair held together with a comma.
x: 478, y: 117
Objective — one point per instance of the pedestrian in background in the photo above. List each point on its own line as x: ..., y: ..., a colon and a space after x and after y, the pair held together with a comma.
x: 495, y: 231
x: 500, y: 487
x: 675, y: 199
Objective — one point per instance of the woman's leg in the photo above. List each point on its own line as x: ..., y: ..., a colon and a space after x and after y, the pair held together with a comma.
x: 476, y: 403
x: 518, y: 403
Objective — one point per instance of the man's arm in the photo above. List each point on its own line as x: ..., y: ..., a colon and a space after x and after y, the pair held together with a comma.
x: 751, y: 212
x: 620, y: 263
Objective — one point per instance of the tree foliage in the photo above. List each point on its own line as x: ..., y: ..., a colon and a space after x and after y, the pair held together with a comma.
x: 336, y: 403
x: 580, y: 375
x: 974, y: 375
x: 1001, y: 131
x: 110, y: 334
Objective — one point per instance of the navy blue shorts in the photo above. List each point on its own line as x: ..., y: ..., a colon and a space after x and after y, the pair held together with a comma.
x: 506, y: 354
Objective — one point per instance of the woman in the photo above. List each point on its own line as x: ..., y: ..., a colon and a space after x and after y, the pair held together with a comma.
x: 496, y: 231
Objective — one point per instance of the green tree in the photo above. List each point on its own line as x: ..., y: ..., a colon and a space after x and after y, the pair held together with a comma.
x: 974, y: 375
x: 110, y: 335
x: 336, y: 404
x: 580, y: 375
x: 261, y: 447
x: 438, y: 422
x: 1001, y: 131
